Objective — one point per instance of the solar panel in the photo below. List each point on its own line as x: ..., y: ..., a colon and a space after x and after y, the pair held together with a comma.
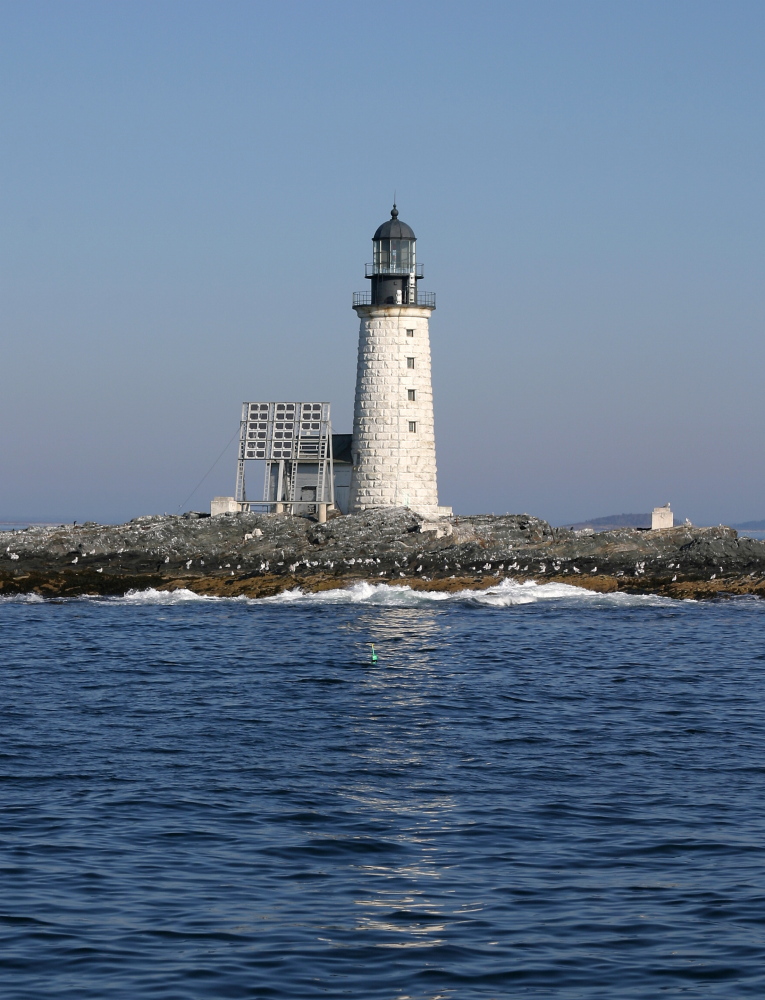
x: 295, y: 435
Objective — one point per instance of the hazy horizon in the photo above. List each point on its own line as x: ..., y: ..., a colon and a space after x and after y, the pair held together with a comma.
x: 189, y: 191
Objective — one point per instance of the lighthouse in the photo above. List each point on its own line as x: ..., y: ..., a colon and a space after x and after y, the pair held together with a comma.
x: 394, y: 447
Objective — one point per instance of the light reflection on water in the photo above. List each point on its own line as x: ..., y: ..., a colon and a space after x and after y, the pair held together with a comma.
x: 407, y: 641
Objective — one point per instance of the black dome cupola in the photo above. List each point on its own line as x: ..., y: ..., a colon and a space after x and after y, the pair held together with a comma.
x: 393, y: 229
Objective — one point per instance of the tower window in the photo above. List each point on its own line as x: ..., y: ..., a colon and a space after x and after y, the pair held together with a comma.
x: 410, y: 333
x: 412, y: 426
x: 410, y: 362
x: 411, y: 394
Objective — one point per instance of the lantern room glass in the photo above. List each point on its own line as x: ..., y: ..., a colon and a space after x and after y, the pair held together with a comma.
x: 394, y: 256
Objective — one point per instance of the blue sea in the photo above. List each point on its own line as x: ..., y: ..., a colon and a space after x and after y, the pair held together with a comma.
x: 535, y: 791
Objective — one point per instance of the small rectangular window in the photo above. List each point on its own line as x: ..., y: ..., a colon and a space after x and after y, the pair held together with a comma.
x: 410, y: 333
x: 413, y: 426
x: 412, y: 394
x: 410, y: 362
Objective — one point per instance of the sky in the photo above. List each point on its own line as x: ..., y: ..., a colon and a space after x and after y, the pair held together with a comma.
x: 188, y: 192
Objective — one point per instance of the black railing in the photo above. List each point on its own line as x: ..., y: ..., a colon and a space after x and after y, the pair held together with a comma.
x: 425, y: 299
x: 371, y: 269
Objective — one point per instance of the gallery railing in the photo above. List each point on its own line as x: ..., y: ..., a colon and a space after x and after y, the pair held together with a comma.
x: 371, y: 269
x: 425, y: 299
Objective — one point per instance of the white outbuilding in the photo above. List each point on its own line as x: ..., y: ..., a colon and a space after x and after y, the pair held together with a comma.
x: 662, y: 517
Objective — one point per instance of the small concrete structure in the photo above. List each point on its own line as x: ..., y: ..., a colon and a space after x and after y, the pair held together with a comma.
x: 224, y: 505
x: 439, y: 528
x: 662, y: 517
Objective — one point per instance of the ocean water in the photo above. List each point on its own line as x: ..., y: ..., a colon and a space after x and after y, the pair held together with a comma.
x: 751, y: 533
x: 535, y: 792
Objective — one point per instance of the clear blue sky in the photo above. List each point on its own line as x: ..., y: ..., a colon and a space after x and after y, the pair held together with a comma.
x: 187, y: 196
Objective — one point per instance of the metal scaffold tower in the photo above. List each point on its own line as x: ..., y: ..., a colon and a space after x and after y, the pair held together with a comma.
x: 295, y: 442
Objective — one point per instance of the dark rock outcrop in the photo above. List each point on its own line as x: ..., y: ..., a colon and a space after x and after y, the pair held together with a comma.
x: 262, y: 554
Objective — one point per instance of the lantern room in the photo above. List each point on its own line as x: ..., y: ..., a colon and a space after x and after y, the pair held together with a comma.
x: 394, y: 272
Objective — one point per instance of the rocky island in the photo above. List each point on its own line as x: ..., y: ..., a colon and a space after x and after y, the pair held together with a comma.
x: 259, y: 555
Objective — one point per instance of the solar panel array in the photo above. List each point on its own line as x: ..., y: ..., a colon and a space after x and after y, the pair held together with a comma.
x: 278, y: 431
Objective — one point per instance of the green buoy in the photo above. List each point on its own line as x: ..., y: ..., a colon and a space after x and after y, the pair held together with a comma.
x: 374, y: 655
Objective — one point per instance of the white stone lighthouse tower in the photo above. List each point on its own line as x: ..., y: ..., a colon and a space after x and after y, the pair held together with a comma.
x: 394, y: 445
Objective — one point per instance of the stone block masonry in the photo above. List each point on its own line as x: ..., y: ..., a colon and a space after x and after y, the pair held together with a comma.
x: 394, y: 447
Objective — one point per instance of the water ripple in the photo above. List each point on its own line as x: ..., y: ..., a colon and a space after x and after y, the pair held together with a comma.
x: 536, y: 791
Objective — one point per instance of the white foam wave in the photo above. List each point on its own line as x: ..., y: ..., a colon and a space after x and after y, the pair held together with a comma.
x: 165, y: 597
x: 507, y: 593
x: 503, y: 595
x: 22, y: 599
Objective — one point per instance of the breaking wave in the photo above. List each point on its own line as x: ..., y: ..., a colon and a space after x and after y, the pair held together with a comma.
x: 164, y: 597
x: 21, y: 599
x: 508, y: 593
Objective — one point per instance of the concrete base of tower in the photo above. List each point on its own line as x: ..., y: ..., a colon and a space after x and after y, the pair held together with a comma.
x: 433, y: 511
